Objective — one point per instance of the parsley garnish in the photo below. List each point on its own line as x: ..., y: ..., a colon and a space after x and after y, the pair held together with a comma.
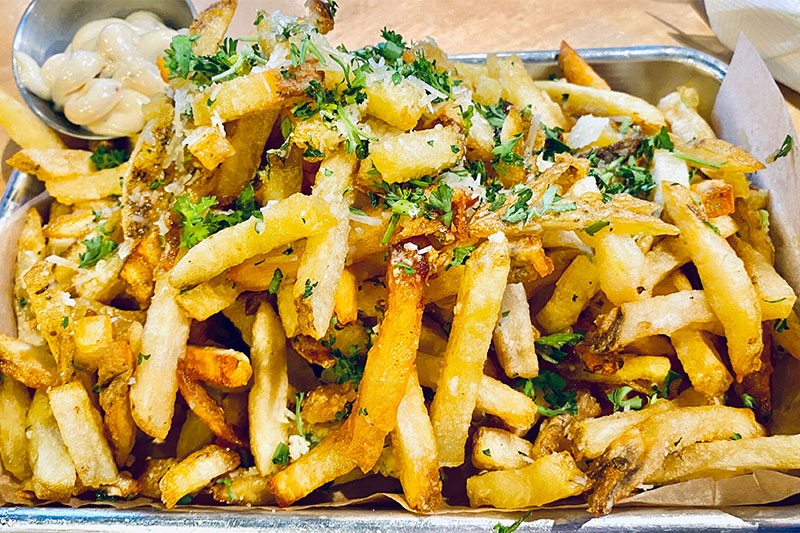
x: 312, y: 152
x: 199, y: 222
x: 281, y: 455
x: 22, y: 302
x: 520, y: 211
x: 659, y: 140
x: 597, y: 226
x: 552, y: 386
x: 736, y: 436
x: 185, y: 500
x: 487, y: 452
x: 748, y: 401
x: 700, y: 162
x: 347, y: 367
x: 460, y: 256
x: 142, y: 357
x: 363, y: 412
x: 619, y: 399
x: 408, y: 269
x: 275, y: 284
x: 763, y: 217
x: 65, y: 322
x: 228, y: 62
x: 712, y: 226
x: 499, y: 528
x: 97, y: 248
x: 104, y: 158
x: 309, y: 288
x: 551, y: 347
x: 780, y: 325
x: 494, y: 114
x: 227, y: 482
x: 784, y: 150
x: 504, y: 152
x: 552, y: 142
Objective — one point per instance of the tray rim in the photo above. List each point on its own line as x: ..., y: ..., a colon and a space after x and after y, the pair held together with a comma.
x: 640, y: 518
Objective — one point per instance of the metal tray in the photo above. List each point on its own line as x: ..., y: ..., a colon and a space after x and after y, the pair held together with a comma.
x: 649, y: 72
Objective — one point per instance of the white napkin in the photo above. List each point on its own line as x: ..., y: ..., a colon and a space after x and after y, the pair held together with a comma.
x: 773, y: 26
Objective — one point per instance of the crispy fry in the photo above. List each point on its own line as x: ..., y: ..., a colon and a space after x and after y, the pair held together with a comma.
x: 53, y: 470
x: 775, y: 296
x: 209, y: 297
x: 389, y: 362
x: 14, y: 404
x: 548, y: 479
x: 414, y: 448
x: 521, y: 90
x: 701, y: 362
x: 268, y: 396
x: 727, y: 286
x: 164, y: 341
x: 345, y: 300
x: 479, y: 299
x: 280, y: 226
x: 574, y: 289
x: 30, y: 365
x: 217, y: 366
x: 412, y: 155
x: 194, y: 435
x: 514, y: 335
x: 195, y: 472
x: 24, y: 127
x: 576, y: 70
x: 205, y: 407
x: 496, y: 449
x: 641, y: 450
x: 680, y: 110
x: 211, y: 25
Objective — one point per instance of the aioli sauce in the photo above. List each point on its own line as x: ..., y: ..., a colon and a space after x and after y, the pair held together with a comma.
x: 106, y: 75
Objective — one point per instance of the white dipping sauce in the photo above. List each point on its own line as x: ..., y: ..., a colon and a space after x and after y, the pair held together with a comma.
x: 106, y: 75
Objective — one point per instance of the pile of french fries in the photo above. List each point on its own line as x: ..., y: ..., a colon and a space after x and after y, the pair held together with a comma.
x: 332, y: 265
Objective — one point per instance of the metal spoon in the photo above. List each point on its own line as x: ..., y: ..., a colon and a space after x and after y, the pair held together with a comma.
x: 47, y: 28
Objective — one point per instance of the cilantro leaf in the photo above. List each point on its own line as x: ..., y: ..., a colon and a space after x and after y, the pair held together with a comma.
x: 460, y: 256
x: 442, y: 199
x: 553, y: 144
x: 97, y: 248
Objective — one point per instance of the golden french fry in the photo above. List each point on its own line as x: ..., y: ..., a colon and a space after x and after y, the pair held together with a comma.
x: 153, y: 472
x: 397, y: 104
x: 574, y: 289
x: 496, y: 449
x: 641, y: 450
x: 680, y: 110
x: 414, y: 448
x: 24, y: 127
x: 209, y: 297
x: 576, y: 70
x: 248, y: 138
x: 246, y: 487
x: 281, y: 178
x: 729, y: 457
x: 410, y: 156
x: 30, y: 365
x: 548, y: 479
x: 717, y: 154
x: 115, y: 401
x: 53, y: 470
x: 82, y: 430
x: 590, y: 100
x: 389, y: 362
x: 651, y: 369
x: 479, y: 298
x: 211, y: 147
x: 30, y: 250
x: 295, y: 218
x: 14, y: 404
x: 514, y: 335
x: 205, y: 407
x: 345, y: 300
x: 195, y: 472
x: 727, y: 286
x: 139, y: 267
x: 211, y: 26
x: 775, y: 296
x: 268, y: 396
x: 521, y: 90
x: 156, y: 383
x: 620, y: 264
x: 194, y: 435
x: 323, y: 259
x: 701, y: 362
x: 786, y: 333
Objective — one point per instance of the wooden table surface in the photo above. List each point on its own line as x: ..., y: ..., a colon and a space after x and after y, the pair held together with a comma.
x: 462, y: 26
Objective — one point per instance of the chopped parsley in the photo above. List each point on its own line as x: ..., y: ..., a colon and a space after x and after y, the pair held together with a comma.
x: 460, y: 256
x: 142, y: 357
x: 97, y: 248
x: 553, y: 388
x: 748, y: 401
x: 199, y: 222
x: 275, y: 283
x: 553, y: 143
x: 104, y: 157
x: 308, y: 290
x: 281, y: 455
x: 520, y: 211
x: 22, y: 302
x: 712, y: 226
x: 736, y: 436
x: 363, y: 412
x: 784, y: 150
x: 591, y: 229
x: 699, y: 162
x: 347, y: 367
x: 619, y: 399
x: 408, y: 269
x: 780, y: 325
x: 65, y: 322
x: 487, y: 452
x: 504, y: 153
x: 499, y: 528
x: 227, y: 482
x: 312, y: 153
x: 551, y: 347
x: 494, y: 114
x: 228, y: 62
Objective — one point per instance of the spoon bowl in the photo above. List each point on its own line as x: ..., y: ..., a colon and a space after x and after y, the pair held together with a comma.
x: 47, y: 27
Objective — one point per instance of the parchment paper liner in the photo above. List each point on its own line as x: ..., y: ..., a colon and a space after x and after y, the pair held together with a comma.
x: 750, y: 112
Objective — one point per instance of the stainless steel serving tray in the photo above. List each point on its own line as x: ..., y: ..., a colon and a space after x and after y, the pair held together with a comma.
x: 649, y: 72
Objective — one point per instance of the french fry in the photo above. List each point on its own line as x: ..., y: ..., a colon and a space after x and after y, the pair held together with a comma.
x: 514, y: 335
x: 479, y: 298
x: 281, y: 178
x: 153, y: 472
x: 210, y: 147
x: 211, y: 26
x: 548, y: 479
x: 248, y: 139
x: 496, y: 398
x: 82, y: 430
x: 496, y: 449
x: 717, y: 154
x: 728, y: 458
x: 680, y: 110
x: 257, y: 273
x: 322, y: 464
x: 115, y: 401
x: 195, y: 472
x: 576, y: 70
x: 345, y: 299
x: 323, y: 259
x: 246, y: 487
x: 619, y: 264
x: 194, y: 435
x: 701, y: 362
x: 716, y: 196
x: 295, y: 218
x: 651, y: 369
x: 389, y: 362
x: 30, y: 250
x: 268, y: 395
x: 414, y: 448
x: 164, y: 340
x: 397, y: 104
x: 139, y: 267
x: 209, y: 297
x: 727, y: 286
x: 31, y: 365
x: 205, y: 407
x: 574, y: 289
x: 24, y: 127
x: 53, y: 470
x: 776, y: 298
x: 590, y: 100
x: 641, y: 450
x: 325, y: 402
x: 521, y: 90
x: 14, y: 404
x: 786, y: 333
x: 410, y: 156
